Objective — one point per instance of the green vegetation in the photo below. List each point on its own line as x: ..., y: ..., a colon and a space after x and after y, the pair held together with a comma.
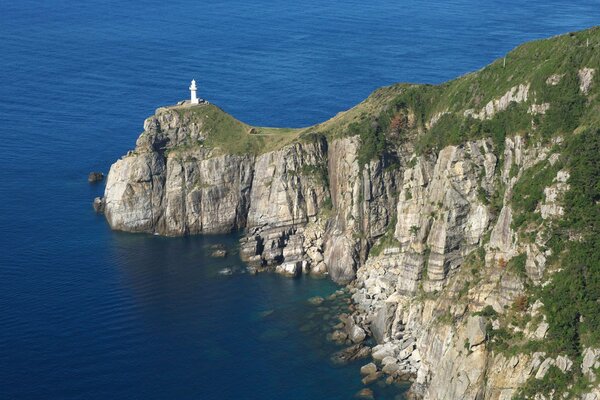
x: 317, y: 172
x: 387, y: 240
x: 572, y: 298
x: 517, y: 265
x: 529, y: 191
x: 379, y: 119
x: 554, y: 381
x: 229, y: 135
x: 488, y: 312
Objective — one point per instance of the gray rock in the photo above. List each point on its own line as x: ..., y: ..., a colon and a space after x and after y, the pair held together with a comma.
x: 369, y: 379
x: 368, y: 369
x: 390, y: 368
x: 476, y: 331
x: 382, y: 351
x: 98, y: 205
x: 94, y: 177
x: 291, y: 269
x: 355, y: 332
x: 381, y: 325
x: 349, y: 354
x: 218, y: 253
x: 591, y: 362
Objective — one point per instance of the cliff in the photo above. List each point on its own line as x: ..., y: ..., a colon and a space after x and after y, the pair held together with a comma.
x: 464, y: 217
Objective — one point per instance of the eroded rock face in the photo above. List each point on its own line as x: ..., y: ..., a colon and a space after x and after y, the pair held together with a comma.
x: 172, y: 185
x: 287, y: 192
x: 586, y: 76
x: 419, y: 297
x: 516, y: 94
x: 135, y: 187
x: 177, y: 195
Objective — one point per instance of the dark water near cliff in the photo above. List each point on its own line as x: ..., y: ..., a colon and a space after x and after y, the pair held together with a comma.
x: 86, y: 313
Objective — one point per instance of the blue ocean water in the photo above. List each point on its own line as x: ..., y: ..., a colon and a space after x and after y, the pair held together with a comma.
x: 86, y: 313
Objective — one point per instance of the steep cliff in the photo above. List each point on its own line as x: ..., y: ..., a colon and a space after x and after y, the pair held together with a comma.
x: 464, y: 217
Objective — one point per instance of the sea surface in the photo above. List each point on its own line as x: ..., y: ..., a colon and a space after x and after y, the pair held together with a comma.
x: 87, y: 313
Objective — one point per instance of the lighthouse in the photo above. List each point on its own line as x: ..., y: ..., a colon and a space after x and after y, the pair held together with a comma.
x: 193, y: 98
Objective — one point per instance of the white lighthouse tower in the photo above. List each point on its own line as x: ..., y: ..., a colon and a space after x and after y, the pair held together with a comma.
x: 193, y: 98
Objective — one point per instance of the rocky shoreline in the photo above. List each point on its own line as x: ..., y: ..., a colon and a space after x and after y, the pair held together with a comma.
x: 380, y: 366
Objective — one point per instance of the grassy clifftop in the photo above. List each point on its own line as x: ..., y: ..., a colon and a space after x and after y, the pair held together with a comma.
x: 432, y: 116
x: 230, y: 135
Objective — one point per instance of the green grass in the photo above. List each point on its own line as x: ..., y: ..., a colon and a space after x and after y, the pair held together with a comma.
x: 228, y: 135
x: 387, y: 240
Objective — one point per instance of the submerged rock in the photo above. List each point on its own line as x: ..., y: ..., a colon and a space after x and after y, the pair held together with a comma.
x: 316, y: 300
x: 366, y: 394
x: 352, y: 353
x: 226, y: 271
x: 219, y: 253
x: 373, y: 377
x: 94, y: 177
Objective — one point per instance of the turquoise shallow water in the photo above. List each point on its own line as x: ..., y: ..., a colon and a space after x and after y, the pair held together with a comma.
x: 86, y: 313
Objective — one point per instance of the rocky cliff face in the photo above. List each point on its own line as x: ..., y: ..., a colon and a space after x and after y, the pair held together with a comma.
x: 438, y: 214
x: 303, y: 206
x: 192, y: 190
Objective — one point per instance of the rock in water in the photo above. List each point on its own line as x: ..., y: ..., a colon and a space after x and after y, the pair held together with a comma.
x: 365, y: 393
x: 368, y: 369
x: 226, y: 271
x: 219, y: 253
x: 98, y: 204
x: 291, y: 269
x: 94, y: 177
x: 317, y: 300
x: 352, y: 353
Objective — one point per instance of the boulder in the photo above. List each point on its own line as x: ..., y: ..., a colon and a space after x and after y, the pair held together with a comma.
x: 352, y: 353
x: 476, y: 331
x: 98, y: 205
x: 367, y: 380
x: 316, y: 300
x: 339, y: 336
x: 219, y: 253
x: 390, y: 368
x: 382, y: 351
x: 291, y: 269
x: 381, y: 325
x: 368, y: 369
x: 94, y: 177
x: 355, y: 332
x: 365, y: 393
